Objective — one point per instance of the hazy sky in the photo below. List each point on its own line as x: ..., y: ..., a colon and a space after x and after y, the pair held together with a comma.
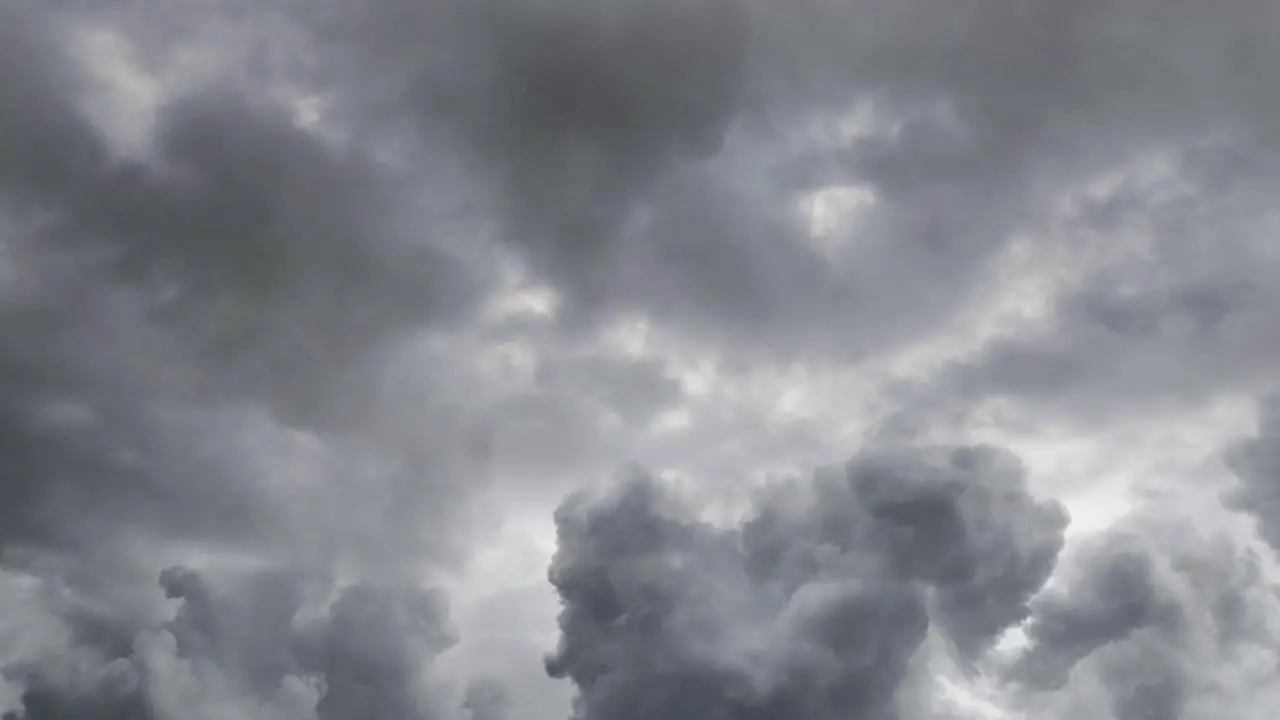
x: 639, y: 359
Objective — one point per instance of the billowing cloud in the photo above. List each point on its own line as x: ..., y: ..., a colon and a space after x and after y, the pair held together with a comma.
x: 194, y: 342
x: 814, y: 606
x: 249, y: 646
x: 978, y: 105
x: 1166, y: 618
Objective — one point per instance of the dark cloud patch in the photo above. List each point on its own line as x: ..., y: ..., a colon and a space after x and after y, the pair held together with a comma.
x: 655, y: 601
x: 593, y: 124
x: 1147, y: 681
x: 602, y: 128
x: 972, y: 530
x: 266, y: 246
x: 594, y: 103
x: 163, y: 315
x: 597, y: 129
x: 992, y: 108
x: 49, y: 145
x: 244, y: 230
x: 814, y: 606
x: 80, y: 448
x: 51, y: 703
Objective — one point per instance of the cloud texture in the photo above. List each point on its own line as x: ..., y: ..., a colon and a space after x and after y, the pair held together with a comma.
x: 324, y: 324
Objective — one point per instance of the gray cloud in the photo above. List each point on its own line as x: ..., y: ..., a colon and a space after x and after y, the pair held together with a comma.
x: 195, y: 342
x: 592, y: 125
x: 1154, y: 607
x: 1171, y: 326
x: 596, y: 127
x: 1254, y: 461
x: 156, y: 309
x: 814, y: 606
x: 262, y: 340
x: 1116, y: 595
x: 636, y: 390
x: 972, y: 531
x: 249, y: 645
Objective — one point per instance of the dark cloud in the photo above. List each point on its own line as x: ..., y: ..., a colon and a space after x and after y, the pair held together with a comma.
x: 256, y: 339
x: 812, y: 607
x: 655, y: 604
x: 972, y: 530
x: 163, y: 315
x: 194, y: 341
x: 1170, y: 324
x: 49, y: 144
x: 598, y: 127
x: 648, y: 156
x: 244, y: 230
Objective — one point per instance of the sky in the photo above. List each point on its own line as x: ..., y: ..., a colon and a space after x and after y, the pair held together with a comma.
x: 639, y: 359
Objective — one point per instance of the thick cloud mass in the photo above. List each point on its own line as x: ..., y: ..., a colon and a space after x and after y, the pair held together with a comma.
x: 592, y: 118
x: 193, y: 340
x: 814, y: 606
x: 312, y: 311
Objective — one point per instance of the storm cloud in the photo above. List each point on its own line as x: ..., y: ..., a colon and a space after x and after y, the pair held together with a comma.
x: 814, y: 605
x: 313, y: 313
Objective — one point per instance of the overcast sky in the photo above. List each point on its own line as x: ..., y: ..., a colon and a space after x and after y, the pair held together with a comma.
x: 639, y: 359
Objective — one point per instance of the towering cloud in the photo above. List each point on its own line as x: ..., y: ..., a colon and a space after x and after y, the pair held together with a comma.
x: 814, y: 606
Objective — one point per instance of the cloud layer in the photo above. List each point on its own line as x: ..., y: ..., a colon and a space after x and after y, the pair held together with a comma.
x: 324, y: 324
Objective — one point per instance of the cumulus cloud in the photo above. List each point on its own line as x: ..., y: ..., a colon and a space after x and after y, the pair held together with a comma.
x: 897, y: 577
x: 814, y: 605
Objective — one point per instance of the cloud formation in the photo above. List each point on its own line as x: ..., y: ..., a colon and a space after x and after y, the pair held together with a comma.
x: 246, y: 649
x: 1254, y: 462
x: 814, y: 605
x: 312, y: 312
